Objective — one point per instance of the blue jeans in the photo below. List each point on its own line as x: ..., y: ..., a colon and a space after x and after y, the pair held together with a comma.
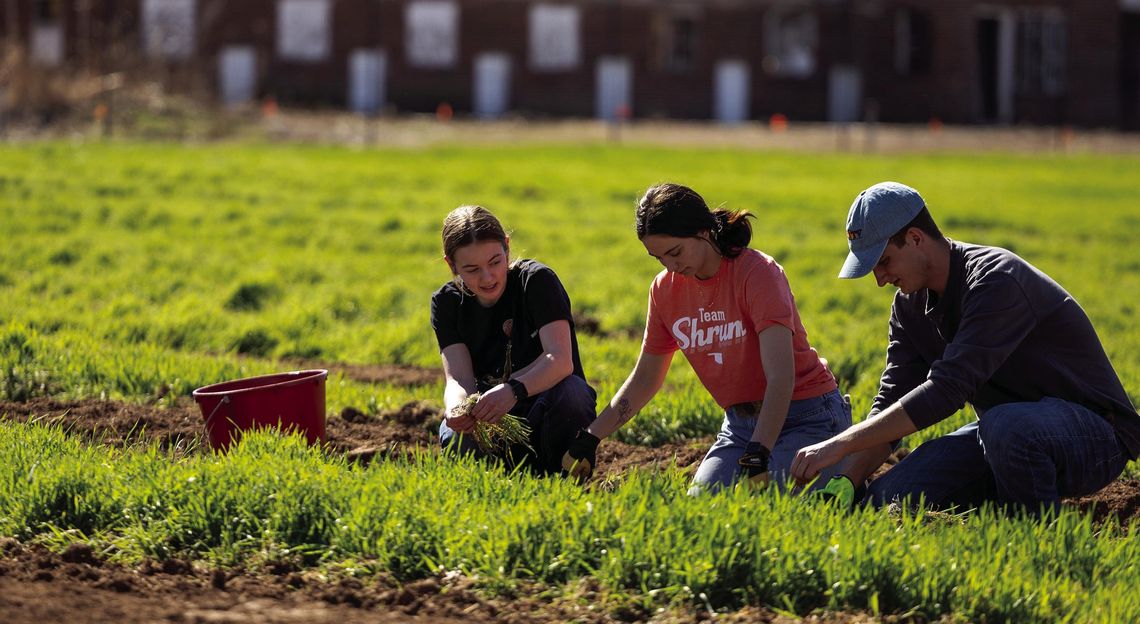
x: 808, y: 421
x: 1020, y: 455
x: 554, y: 417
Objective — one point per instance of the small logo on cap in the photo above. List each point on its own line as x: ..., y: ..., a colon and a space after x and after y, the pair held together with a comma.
x: 853, y: 234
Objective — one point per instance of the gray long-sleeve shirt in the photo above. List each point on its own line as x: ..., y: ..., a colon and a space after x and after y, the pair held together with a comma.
x: 1002, y: 332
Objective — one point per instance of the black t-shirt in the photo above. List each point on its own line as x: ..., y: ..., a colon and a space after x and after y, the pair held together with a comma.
x: 534, y: 297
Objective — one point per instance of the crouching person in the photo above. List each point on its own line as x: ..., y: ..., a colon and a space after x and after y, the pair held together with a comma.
x: 979, y: 325
x: 505, y: 332
x: 730, y: 310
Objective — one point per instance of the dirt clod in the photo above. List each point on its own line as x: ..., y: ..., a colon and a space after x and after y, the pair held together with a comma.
x: 404, y: 597
x: 8, y: 544
x: 79, y: 553
x: 416, y: 413
x: 353, y: 415
x: 118, y: 583
x: 176, y: 566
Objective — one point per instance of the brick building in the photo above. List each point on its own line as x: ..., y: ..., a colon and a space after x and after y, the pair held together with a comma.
x: 962, y: 61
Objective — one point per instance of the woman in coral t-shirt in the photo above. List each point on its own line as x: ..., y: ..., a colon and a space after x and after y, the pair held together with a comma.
x: 730, y: 310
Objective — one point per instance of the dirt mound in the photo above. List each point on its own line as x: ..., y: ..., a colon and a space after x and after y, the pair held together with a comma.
x: 1121, y: 500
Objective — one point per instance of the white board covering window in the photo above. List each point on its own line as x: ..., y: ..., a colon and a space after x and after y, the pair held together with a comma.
x: 303, y: 30
x: 237, y: 74
x: 555, y: 43
x: 47, y: 44
x: 432, y: 33
x: 169, y: 29
x: 367, y: 71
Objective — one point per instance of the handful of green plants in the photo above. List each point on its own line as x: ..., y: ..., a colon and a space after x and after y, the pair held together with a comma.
x: 496, y: 438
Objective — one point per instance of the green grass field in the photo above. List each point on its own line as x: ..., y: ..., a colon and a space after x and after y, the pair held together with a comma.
x: 132, y: 271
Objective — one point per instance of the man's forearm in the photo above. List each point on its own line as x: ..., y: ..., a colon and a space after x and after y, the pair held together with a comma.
x: 881, y: 429
x: 860, y: 465
x: 891, y: 424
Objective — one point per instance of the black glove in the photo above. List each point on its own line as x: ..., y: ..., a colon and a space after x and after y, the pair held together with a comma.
x: 754, y: 464
x: 581, y: 457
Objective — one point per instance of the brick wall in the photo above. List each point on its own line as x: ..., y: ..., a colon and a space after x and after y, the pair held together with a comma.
x: 1100, y: 87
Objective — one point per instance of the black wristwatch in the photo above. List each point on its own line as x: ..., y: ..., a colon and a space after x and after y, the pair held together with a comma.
x: 518, y: 388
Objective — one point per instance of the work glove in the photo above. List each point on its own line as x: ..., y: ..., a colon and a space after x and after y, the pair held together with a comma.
x: 839, y: 491
x: 581, y: 457
x: 754, y: 465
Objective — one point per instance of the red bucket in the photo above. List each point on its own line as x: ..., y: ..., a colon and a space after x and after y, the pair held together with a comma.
x: 293, y: 401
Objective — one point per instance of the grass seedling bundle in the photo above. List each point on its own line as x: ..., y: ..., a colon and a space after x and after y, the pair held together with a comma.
x: 497, y: 438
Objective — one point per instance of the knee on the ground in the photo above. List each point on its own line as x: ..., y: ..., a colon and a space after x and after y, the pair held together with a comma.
x: 884, y: 491
x: 453, y: 441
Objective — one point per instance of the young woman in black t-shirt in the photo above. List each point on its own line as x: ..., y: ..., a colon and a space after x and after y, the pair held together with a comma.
x: 505, y: 330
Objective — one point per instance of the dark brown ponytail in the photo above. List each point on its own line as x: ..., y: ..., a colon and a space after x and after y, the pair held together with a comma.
x: 676, y: 210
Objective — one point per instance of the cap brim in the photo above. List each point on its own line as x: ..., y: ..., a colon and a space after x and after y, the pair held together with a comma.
x: 862, y: 262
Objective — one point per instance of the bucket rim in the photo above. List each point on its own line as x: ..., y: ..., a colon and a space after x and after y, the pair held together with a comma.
x: 288, y: 378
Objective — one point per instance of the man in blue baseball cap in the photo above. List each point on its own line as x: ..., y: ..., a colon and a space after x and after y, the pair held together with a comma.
x: 979, y: 325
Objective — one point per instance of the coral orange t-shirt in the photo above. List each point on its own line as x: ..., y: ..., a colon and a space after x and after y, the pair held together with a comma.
x: 717, y: 323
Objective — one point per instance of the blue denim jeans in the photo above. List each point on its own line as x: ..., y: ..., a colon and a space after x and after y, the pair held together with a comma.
x: 1020, y: 455
x: 554, y: 416
x: 808, y: 421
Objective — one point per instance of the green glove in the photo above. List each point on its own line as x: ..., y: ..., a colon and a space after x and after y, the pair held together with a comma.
x: 838, y: 491
x: 754, y: 464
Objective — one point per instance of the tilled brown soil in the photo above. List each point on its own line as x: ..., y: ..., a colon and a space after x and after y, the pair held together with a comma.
x: 38, y: 586
x: 359, y: 436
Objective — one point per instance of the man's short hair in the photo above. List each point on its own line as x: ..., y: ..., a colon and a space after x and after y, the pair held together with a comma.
x: 922, y: 221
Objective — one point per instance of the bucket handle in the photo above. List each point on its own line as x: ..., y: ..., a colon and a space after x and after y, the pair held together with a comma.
x: 225, y: 399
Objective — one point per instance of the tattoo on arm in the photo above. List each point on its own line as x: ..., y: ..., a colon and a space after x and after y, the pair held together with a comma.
x: 623, y: 411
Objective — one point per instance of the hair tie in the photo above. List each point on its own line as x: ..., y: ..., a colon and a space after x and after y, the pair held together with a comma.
x: 717, y: 225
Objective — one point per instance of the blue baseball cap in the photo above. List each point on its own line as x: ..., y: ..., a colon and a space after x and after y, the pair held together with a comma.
x: 876, y: 214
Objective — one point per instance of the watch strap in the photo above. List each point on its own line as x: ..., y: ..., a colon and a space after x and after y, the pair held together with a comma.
x: 518, y: 388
